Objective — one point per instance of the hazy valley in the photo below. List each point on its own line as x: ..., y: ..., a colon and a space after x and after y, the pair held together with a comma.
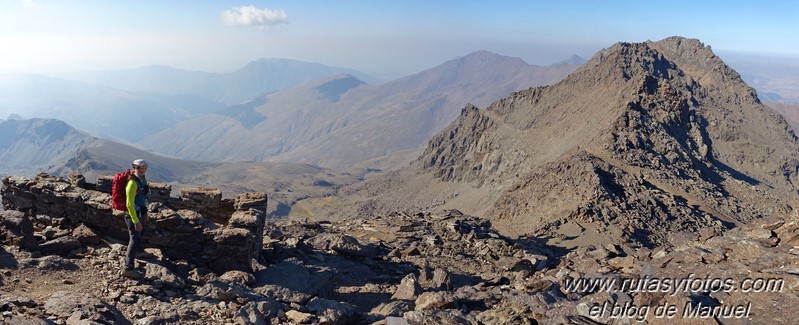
x: 52, y: 146
x: 341, y: 122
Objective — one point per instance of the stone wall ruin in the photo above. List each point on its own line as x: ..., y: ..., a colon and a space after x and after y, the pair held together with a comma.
x: 199, y: 226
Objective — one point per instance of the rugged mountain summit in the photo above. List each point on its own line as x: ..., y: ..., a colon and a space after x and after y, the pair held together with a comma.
x: 642, y: 140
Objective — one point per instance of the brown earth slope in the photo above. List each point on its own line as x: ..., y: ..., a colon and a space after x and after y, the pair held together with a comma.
x: 788, y: 110
x: 643, y: 140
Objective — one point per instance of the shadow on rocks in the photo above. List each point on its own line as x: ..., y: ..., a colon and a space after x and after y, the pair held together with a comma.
x: 330, y: 267
x: 7, y: 260
x: 49, y: 263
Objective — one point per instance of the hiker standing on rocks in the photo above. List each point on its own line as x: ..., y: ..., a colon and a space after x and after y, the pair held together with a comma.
x: 136, y: 192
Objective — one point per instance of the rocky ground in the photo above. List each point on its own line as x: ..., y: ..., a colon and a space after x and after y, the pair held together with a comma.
x: 429, y: 268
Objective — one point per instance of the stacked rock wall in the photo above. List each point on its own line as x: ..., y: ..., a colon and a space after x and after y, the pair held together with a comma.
x: 206, y: 201
x: 199, y: 227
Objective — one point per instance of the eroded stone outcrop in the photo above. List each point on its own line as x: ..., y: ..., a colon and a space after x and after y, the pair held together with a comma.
x: 199, y: 227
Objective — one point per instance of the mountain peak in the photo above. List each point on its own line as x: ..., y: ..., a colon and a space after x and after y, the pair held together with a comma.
x: 479, y: 65
x: 337, y: 78
x: 573, y: 60
x: 700, y: 63
x: 668, y: 58
x: 487, y: 57
x: 691, y: 55
x: 271, y: 61
x: 333, y: 88
x: 159, y: 67
x: 650, y: 132
x: 685, y: 44
x: 627, y: 60
x: 38, y: 142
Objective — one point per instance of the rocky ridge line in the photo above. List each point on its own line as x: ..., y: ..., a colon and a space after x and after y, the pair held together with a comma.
x: 644, y: 140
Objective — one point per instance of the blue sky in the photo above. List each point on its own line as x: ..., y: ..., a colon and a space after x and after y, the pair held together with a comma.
x: 49, y: 36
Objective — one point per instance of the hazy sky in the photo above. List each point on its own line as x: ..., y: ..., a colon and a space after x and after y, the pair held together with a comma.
x: 403, y: 36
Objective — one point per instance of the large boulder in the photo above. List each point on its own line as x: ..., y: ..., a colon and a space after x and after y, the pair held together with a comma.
x: 342, y: 244
x: 155, y: 272
x: 61, y: 246
x: 256, y: 200
x: 259, y: 312
x: 16, y: 229
x: 408, y: 289
x: 86, y: 235
x: 334, y: 312
x: 76, y: 308
x: 296, y: 277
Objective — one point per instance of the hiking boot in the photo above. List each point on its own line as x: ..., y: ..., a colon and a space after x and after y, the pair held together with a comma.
x: 131, y: 273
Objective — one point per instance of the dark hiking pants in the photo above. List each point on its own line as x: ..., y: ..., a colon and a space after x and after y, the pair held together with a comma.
x: 134, y: 244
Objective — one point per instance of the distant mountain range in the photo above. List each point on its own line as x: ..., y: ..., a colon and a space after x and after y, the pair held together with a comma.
x: 30, y: 146
x: 342, y: 121
x: 107, y: 112
x: 774, y: 77
x: 292, y: 111
x: 643, y: 141
x: 130, y: 104
x: 256, y: 79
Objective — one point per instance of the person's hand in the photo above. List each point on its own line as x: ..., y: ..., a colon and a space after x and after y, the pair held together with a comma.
x: 138, y: 226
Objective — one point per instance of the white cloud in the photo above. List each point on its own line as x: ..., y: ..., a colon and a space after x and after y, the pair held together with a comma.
x: 32, y: 4
x: 251, y: 16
